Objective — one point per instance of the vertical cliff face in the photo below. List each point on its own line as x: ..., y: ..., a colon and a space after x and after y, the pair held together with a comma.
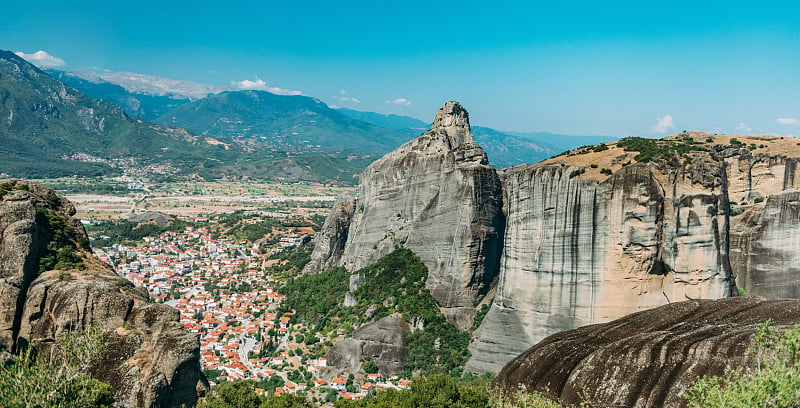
x: 765, y: 249
x: 585, y: 247
x: 437, y: 196
x: 51, y: 284
x: 581, y: 251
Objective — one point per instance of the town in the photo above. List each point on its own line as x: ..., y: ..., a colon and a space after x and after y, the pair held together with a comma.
x: 227, y: 291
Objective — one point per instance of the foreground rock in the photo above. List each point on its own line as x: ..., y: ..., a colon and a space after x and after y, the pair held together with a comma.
x: 646, y: 359
x: 437, y: 196
x: 151, y: 360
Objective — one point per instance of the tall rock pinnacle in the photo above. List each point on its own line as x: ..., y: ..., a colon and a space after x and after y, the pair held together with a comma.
x: 437, y: 196
x: 453, y: 120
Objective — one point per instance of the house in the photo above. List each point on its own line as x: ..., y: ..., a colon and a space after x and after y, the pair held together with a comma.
x: 367, y: 387
x: 339, y: 383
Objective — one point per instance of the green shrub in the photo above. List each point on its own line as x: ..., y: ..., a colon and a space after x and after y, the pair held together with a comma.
x: 523, y: 399
x: 576, y: 173
x: 650, y: 149
x: 773, y: 382
x: 33, y: 381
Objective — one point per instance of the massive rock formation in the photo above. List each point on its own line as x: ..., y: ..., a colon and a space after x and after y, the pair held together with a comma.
x: 51, y: 284
x: 589, y: 236
x: 584, y: 247
x: 437, y: 196
x: 646, y: 359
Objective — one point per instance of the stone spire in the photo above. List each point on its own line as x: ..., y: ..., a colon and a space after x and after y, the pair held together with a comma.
x: 453, y: 120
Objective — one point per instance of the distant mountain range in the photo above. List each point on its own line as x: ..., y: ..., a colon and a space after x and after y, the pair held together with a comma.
x: 285, y: 122
x: 230, y: 133
x: 147, y: 106
x: 48, y: 129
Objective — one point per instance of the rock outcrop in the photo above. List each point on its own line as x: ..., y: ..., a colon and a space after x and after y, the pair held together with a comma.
x: 437, y: 196
x: 646, y: 359
x: 383, y: 342
x: 585, y: 247
x: 51, y: 284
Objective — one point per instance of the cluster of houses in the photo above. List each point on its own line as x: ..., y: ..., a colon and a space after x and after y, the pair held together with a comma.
x: 220, y: 288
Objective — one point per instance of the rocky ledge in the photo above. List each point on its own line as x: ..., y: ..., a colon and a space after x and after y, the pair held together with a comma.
x: 50, y: 283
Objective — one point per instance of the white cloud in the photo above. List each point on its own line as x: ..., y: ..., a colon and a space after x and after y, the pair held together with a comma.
x: 399, y: 101
x: 743, y: 128
x: 42, y: 59
x: 664, y: 124
x: 342, y: 92
x: 353, y: 100
x: 260, y: 85
x: 787, y: 121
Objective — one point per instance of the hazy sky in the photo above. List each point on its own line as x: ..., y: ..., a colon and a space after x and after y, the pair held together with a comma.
x: 617, y: 68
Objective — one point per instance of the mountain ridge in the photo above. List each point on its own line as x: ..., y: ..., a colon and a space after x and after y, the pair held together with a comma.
x: 287, y: 122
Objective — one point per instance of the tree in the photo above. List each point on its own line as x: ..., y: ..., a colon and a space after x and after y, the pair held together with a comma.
x: 57, y: 377
x: 242, y: 394
x: 370, y: 367
x: 232, y: 394
x: 773, y: 382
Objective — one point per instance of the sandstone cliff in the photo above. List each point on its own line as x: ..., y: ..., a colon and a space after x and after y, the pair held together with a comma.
x: 583, y: 246
x: 50, y: 284
x: 646, y: 359
x: 437, y: 196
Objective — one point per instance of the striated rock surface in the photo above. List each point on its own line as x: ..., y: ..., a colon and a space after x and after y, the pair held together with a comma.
x: 584, y: 247
x: 646, y: 359
x: 151, y: 360
x: 437, y: 196
x: 383, y: 342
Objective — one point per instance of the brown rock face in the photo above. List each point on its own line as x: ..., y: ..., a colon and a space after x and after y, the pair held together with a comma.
x: 151, y: 361
x: 646, y: 359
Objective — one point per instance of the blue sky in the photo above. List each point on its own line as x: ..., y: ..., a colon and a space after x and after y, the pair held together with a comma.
x: 615, y: 68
